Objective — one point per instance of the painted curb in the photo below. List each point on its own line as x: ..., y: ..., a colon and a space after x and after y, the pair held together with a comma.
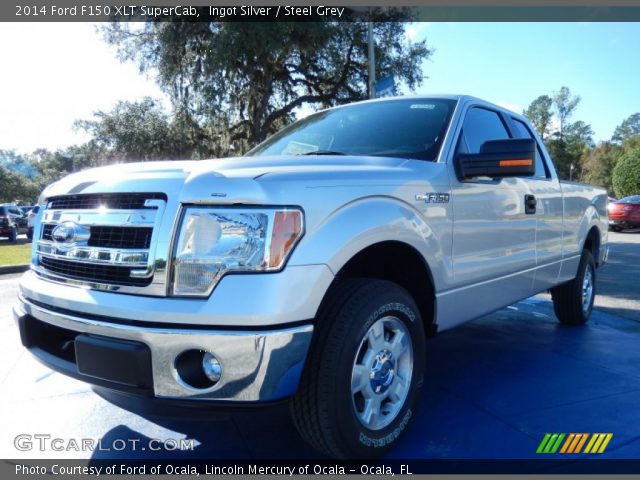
x: 13, y: 269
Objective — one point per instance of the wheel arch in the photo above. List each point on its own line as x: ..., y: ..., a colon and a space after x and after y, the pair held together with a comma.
x: 401, y: 264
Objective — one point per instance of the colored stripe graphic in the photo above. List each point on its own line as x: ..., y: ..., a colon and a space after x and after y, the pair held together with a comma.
x: 581, y: 443
x: 576, y: 439
x: 565, y: 447
x: 597, y: 443
x: 607, y: 439
x: 555, y: 447
x: 543, y: 443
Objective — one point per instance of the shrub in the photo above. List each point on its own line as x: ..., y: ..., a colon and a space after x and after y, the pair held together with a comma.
x: 626, y: 174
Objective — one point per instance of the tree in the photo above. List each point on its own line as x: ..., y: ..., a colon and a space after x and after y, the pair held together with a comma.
x: 598, y: 164
x: 627, y: 129
x: 626, y: 174
x: 235, y: 83
x: 564, y: 104
x: 568, y: 143
x: 16, y: 187
x: 130, y: 131
x: 540, y: 114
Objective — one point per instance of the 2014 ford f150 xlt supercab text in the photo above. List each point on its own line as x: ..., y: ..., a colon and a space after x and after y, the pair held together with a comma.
x: 314, y: 268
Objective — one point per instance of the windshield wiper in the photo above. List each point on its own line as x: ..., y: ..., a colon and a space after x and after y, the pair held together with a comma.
x: 323, y: 152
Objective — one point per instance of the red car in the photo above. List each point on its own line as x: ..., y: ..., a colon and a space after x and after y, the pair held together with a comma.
x: 625, y: 213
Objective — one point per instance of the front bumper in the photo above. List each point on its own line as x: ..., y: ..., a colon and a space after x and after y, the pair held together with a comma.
x: 257, y: 365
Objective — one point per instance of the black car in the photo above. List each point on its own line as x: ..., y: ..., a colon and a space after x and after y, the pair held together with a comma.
x: 12, y: 221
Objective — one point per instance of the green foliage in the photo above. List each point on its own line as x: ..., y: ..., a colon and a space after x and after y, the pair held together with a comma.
x: 131, y: 131
x: 540, y: 114
x: 565, y: 104
x: 568, y: 142
x: 626, y: 174
x: 234, y: 83
x: 598, y: 164
x: 17, y: 178
x: 629, y: 128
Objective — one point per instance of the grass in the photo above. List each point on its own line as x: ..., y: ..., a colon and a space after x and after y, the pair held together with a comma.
x: 14, y: 253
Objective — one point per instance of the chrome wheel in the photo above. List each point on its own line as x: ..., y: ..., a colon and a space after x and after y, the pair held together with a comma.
x: 381, y: 373
x: 587, y: 290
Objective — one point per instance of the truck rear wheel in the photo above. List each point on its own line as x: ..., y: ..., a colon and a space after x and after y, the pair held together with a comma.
x: 573, y: 301
x: 364, y: 372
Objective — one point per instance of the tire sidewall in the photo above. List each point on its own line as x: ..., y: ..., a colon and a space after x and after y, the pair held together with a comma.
x: 361, y: 440
x: 586, y: 263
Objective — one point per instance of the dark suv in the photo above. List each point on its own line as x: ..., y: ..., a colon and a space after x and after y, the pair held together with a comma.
x: 12, y: 221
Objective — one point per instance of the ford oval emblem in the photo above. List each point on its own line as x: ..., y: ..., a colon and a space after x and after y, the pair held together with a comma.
x: 64, y: 233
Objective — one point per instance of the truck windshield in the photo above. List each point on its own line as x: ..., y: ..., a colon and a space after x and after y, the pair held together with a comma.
x: 407, y: 128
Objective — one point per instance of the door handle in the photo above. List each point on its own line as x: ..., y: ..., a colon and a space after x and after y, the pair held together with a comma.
x: 530, y: 204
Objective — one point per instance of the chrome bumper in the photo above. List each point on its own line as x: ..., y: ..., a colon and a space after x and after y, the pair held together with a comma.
x: 256, y: 365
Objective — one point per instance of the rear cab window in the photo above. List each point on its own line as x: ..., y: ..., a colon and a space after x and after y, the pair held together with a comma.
x: 523, y: 131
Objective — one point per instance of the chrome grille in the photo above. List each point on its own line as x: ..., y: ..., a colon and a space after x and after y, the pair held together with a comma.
x: 102, y: 241
x: 93, y: 272
x: 112, y: 201
x: 120, y: 237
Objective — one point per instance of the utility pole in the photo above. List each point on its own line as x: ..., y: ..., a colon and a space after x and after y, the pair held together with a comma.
x: 372, y: 60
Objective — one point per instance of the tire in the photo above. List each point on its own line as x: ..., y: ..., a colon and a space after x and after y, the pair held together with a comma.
x: 331, y: 408
x: 615, y: 229
x: 573, y: 301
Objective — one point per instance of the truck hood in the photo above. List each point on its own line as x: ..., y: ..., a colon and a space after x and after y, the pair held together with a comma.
x: 234, y: 180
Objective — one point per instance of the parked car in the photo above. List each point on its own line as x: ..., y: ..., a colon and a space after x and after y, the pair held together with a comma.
x: 25, y: 209
x: 31, y: 217
x: 313, y: 269
x: 625, y: 213
x: 12, y: 221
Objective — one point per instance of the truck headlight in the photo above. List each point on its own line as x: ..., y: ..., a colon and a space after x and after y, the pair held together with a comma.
x: 213, y: 241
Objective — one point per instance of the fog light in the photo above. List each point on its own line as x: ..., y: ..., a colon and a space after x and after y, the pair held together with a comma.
x: 198, y: 369
x: 211, y: 367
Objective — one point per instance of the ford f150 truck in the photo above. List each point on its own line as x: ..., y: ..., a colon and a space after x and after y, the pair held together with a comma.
x: 314, y: 268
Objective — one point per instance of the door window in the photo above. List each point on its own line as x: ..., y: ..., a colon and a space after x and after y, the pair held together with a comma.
x: 479, y: 126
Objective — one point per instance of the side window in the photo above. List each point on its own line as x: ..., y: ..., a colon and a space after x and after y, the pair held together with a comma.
x: 481, y: 125
x: 522, y: 131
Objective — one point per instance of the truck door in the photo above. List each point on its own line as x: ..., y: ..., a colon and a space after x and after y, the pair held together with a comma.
x: 549, y: 214
x: 493, y: 235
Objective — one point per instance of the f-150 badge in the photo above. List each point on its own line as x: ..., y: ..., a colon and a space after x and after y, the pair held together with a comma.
x: 433, y: 198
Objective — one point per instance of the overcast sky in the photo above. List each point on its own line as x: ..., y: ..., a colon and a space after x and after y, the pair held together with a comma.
x: 55, y: 73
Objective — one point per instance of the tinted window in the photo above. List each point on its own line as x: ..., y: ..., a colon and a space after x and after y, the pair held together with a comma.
x: 3, y: 211
x: 632, y: 199
x: 399, y: 128
x: 481, y: 125
x: 522, y: 131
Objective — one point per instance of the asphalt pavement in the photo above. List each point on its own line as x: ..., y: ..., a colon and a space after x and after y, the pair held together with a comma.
x: 493, y: 388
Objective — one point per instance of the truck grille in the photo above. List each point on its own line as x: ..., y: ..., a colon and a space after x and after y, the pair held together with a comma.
x: 105, y: 239
x: 111, y: 237
x: 112, y: 201
x: 93, y: 272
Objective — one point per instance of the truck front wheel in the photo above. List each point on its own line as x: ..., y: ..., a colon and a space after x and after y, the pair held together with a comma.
x: 573, y: 301
x: 364, y: 372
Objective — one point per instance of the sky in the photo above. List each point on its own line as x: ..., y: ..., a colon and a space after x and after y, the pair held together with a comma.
x: 55, y: 73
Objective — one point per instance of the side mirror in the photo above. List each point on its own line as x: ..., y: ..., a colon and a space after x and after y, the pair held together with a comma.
x: 514, y: 157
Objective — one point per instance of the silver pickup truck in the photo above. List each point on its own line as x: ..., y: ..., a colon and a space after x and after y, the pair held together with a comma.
x: 313, y: 269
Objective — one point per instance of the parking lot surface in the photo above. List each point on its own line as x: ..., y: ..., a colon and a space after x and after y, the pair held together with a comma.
x: 493, y: 388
